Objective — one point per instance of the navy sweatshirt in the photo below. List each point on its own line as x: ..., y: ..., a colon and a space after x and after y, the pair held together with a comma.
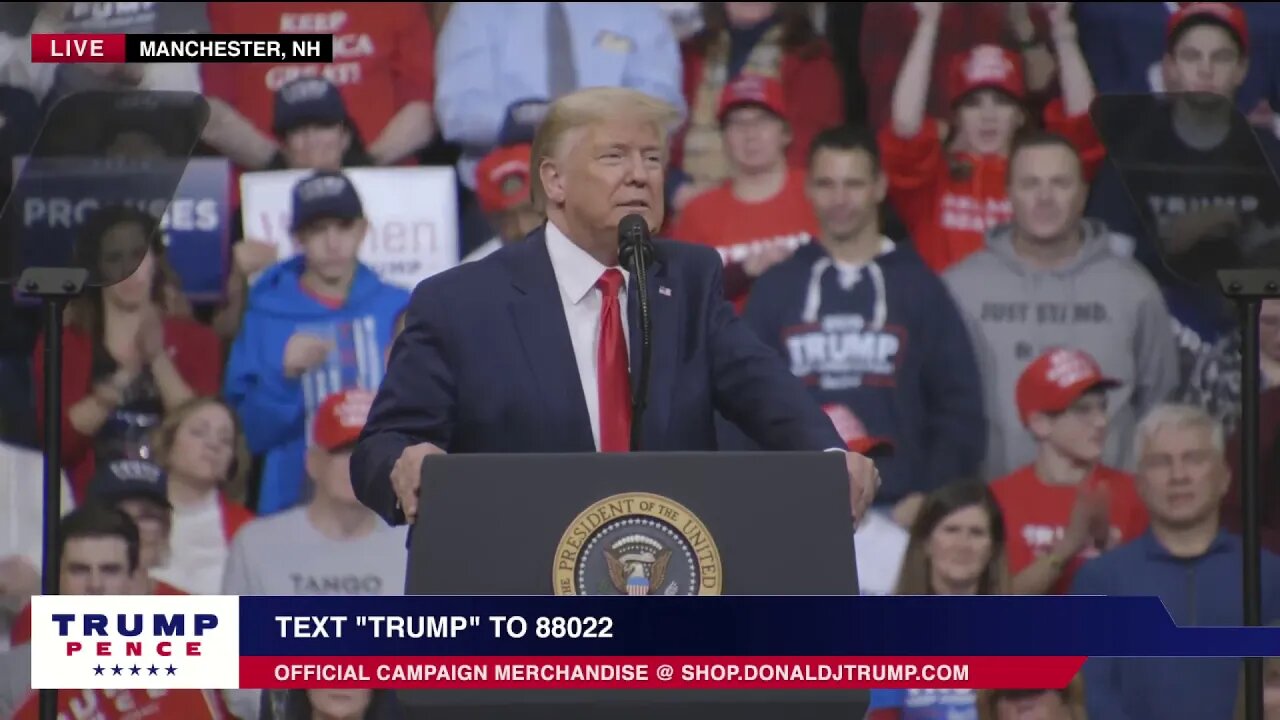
x: 885, y: 341
x: 1197, y: 592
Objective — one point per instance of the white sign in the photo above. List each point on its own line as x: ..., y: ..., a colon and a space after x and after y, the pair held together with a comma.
x: 412, y: 213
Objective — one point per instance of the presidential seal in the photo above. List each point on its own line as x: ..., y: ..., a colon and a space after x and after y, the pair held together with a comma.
x: 637, y: 544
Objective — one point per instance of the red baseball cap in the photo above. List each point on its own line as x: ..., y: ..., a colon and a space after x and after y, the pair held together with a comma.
x: 502, y: 178
x: 986, y: 66
x: 340, y: 418
x: 753, y: 90
x: 1227, y: 15
x: 1056, y: 379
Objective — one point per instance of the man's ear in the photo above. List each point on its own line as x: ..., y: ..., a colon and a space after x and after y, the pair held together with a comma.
x: 1039, y: 425
x: 880, y: 185
x: 549, y: 172
x: 312, y: 462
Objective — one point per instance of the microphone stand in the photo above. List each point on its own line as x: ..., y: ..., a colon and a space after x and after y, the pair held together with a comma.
x: 638, y: 265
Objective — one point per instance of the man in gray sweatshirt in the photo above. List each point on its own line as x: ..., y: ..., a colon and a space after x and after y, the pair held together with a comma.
x: 1051, y: 278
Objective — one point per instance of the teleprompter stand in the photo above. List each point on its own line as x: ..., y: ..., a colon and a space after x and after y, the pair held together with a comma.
x: 1248, y: 288
x: 493, y: 525
x: 54, y: 287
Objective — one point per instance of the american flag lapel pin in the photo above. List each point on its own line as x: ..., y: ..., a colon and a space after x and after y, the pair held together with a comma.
x: 664, y: 290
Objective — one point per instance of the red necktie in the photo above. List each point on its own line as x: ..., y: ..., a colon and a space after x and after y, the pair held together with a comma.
x: 611, y: 368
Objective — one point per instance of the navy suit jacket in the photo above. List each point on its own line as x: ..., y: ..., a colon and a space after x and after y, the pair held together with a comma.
x: 485, y: 365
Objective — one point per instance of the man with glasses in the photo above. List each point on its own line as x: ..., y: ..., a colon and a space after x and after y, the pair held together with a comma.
x: 1066, y: 507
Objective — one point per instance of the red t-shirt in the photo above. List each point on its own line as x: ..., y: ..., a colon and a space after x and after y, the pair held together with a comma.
x: 737, y: 229
x: 127, y: 705
x: 383, y: 58
x: 1036, y: 516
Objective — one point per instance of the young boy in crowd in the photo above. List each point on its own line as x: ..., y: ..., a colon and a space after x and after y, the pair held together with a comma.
x: 1066, y: 507
x: 760, y: 214
x: 316, y: 324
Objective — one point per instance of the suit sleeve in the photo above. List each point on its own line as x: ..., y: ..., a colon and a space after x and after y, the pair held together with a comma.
x: 415, y: 403
x: 753, y: 388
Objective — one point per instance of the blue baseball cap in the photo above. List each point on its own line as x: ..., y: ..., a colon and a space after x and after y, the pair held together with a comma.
x: 324, y: 194
x: 521, y: 120
x: 126, y: 479
x: 308, y: 101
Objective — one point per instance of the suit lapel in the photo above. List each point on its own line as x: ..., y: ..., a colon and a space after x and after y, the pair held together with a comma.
x: 540, y: 322
x: 665, y: 335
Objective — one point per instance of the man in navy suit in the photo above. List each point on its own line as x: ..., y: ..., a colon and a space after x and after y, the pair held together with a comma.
x: 527, y: 351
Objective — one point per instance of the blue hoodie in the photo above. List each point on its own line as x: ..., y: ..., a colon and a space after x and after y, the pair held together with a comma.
x: 886, y: 342
x: 273, y: 409
x: 1198, y: 592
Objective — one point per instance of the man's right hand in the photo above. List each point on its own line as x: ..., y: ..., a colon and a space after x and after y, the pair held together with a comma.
x: 254, y: 256
x: 406, y: 476
x: 304, y: 352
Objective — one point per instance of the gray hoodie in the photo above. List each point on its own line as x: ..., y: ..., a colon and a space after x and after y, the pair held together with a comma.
x: 1102, y: 303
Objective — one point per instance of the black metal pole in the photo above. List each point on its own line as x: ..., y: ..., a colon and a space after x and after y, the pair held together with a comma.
x: 1251, y: 388
x: 640, y: 398
x: 52, y: 466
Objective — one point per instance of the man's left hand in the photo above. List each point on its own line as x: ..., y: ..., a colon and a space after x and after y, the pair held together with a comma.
x: 864, y: 482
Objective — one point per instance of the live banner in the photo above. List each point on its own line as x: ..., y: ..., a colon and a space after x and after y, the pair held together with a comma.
x: 412, y: 214
x: 635, y: 643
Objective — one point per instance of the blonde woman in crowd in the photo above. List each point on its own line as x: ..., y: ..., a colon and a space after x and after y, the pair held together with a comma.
x: 203, y: 450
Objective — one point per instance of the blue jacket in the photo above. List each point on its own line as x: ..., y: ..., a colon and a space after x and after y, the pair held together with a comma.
x: 274, y: 409
x: 486, y: 365
x: 1204, y: 591
x: 887, y: 342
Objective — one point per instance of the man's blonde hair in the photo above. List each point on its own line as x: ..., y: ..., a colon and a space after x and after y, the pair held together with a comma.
x: 588, y: 107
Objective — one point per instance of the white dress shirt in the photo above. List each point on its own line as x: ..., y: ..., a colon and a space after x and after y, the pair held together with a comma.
x: 576, y: 275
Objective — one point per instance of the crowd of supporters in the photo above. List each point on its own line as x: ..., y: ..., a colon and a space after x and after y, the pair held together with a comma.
x: 915, y: 208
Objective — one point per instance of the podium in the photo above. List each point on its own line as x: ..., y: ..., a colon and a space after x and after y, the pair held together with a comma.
x: 670, y: 523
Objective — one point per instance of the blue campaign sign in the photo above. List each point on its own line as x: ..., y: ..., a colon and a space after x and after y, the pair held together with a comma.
x: 55, y: 198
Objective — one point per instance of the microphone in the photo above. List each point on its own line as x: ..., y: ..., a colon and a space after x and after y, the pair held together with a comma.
x: 635, y: 253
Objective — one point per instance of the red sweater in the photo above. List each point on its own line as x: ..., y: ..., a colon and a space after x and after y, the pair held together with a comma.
x: 814, y: 95
x: 383, y: 58
x: 948, y: 214
x: 195, y: 350
x: 887, y: 30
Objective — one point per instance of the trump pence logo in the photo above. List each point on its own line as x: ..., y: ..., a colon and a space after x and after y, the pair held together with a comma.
x: 637, y: 544
x: 133, y: 642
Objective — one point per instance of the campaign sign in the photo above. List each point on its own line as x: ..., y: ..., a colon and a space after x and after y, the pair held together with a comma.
x: 56, y: 198
x: 412, y: 214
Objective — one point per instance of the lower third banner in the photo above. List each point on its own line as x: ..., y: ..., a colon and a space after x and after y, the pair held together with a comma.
x: 667, y: 673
